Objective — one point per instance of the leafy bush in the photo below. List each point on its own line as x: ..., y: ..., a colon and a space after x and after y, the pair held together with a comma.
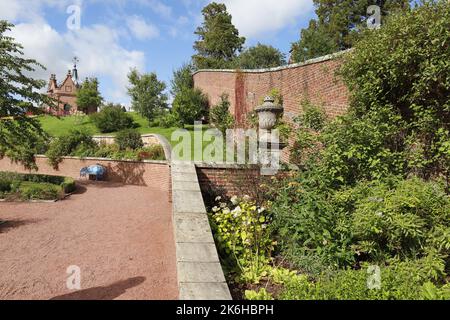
x: 189, y: 105
x: 399, y: 281
x: 5, y: 186
x: 220, y: 115
x: 243, y: 237
x: 76, y: 143
x: 39, y: 191
x: 401, y: 71
x: 261, y: 295
x: 129, y: 139
x: 111, y: 119
x: 68, y: 185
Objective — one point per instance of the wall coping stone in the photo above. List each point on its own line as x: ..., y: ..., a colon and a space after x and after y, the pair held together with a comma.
x: 162, y: 162
x: 286, y: 67
x: 199, y: 272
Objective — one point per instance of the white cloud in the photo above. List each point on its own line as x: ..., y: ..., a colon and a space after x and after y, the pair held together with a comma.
x: 97, y: 46
x: 158, y: 7
x: 254, y: 18
x: 141, y: 29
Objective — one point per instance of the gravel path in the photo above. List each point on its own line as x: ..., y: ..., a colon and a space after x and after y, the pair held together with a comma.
x: 120, y: 236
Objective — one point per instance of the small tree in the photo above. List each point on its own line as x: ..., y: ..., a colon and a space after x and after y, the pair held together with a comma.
x: 147, y: 94
x: 88, y: 96
x: 189, y: 105
x: 19, y: 95
x: 220, y: 115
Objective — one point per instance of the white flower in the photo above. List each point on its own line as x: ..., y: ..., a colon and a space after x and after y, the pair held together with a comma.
x: 223, y: 205
x: 261, y: 210
x: 237, y: 211
x: 218, y: 198
x: 379, y: 214
x: 247, y: 198
x: 215, y: 209
x: 226, y: 211
x: 235, y: 200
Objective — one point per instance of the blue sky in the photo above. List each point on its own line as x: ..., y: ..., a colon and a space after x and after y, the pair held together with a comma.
x: 151, y: 35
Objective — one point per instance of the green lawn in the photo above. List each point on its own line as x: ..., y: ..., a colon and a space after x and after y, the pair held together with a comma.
x: 59, y: 126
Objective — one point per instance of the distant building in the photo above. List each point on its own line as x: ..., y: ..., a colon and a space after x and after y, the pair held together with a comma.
x: 65, y: 94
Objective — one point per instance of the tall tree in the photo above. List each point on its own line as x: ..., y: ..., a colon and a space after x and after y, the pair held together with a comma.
x: 147, y: 94
x: 338, y: 24
x: 88, y: 96
x: 260, y: 56
x: 20, y: 135
x: 219, y: 39
x: 182, y: 79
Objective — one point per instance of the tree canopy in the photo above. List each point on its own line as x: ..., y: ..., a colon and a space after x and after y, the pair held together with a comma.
x: 20, y: 135
x: 338, y: 24
x: 88, y: 96
x: 260, y: 56
x: 219, y: 40
x: 147, y: 94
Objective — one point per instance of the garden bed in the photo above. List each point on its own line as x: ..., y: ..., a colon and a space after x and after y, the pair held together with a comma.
x: 34, y: 187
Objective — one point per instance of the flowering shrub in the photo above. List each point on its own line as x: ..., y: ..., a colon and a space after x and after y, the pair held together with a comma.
x: 241, y: 230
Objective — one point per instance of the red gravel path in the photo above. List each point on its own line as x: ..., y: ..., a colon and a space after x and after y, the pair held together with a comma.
x: 120, y: 236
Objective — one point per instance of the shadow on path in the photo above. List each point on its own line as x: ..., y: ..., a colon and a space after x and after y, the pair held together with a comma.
x: 7, y: 225
x: 103, y: 293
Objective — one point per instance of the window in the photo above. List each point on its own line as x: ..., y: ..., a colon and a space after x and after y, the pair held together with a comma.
x: 68, y: 88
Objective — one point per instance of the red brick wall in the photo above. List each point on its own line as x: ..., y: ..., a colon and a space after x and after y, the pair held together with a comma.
x: 314, y: 80
x: 156, y: 175
x: 216, y: 180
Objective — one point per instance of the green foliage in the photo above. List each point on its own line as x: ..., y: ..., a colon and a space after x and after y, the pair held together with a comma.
x: 399, y: 281
x: 75, y: 143
x: 147, y: 94
x: 111, y: 119
x: 34, y: 186
x: 220, y: 115
x: 39, y: 191
x: 19, y: 95
x: 338, y: 26
x: 129, y: 139
x: 189, y: 105
x: 88, y: 96
x: 243, y: 237
x: 219, y: 39
x: 261, y: 295
x: 260, y: 56
x: 312, y: 117
x: 182, y: 79
x: 314, y: 42
x: 401, y: 71
x: 112, y: 151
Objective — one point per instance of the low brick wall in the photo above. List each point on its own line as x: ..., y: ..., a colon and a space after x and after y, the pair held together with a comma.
x: 146, y: 173
x: 232, y: 180
x: 147, y: 139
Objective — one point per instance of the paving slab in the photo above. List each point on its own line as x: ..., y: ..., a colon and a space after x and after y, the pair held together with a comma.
x: 204, y: 291
x: 188, y: 202
x: 200, y: 272
x: 192, y: 228
x: 197, y: 252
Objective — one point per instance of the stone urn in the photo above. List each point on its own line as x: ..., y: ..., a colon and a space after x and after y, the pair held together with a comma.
x: 268, y: 113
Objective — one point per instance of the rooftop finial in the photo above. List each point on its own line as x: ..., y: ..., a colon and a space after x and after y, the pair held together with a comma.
x: 75, y: 70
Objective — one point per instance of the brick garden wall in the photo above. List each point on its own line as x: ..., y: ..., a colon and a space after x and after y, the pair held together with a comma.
x: 155, y: 174
x: 232, y: 180
x: 314, y: 80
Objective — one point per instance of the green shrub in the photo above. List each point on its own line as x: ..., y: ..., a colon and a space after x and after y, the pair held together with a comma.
x: 5, y: 186
x: 39, y: 191
x: 243, y: 237
x: 189, y: 105
x: 398, y: 281
x: 112, y: 119
x: 220, y: 115
x: 76, y: 143
x: 401, y: 70
x: 68, y: 185
x: 129, y: 139
x: 312, y: 117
